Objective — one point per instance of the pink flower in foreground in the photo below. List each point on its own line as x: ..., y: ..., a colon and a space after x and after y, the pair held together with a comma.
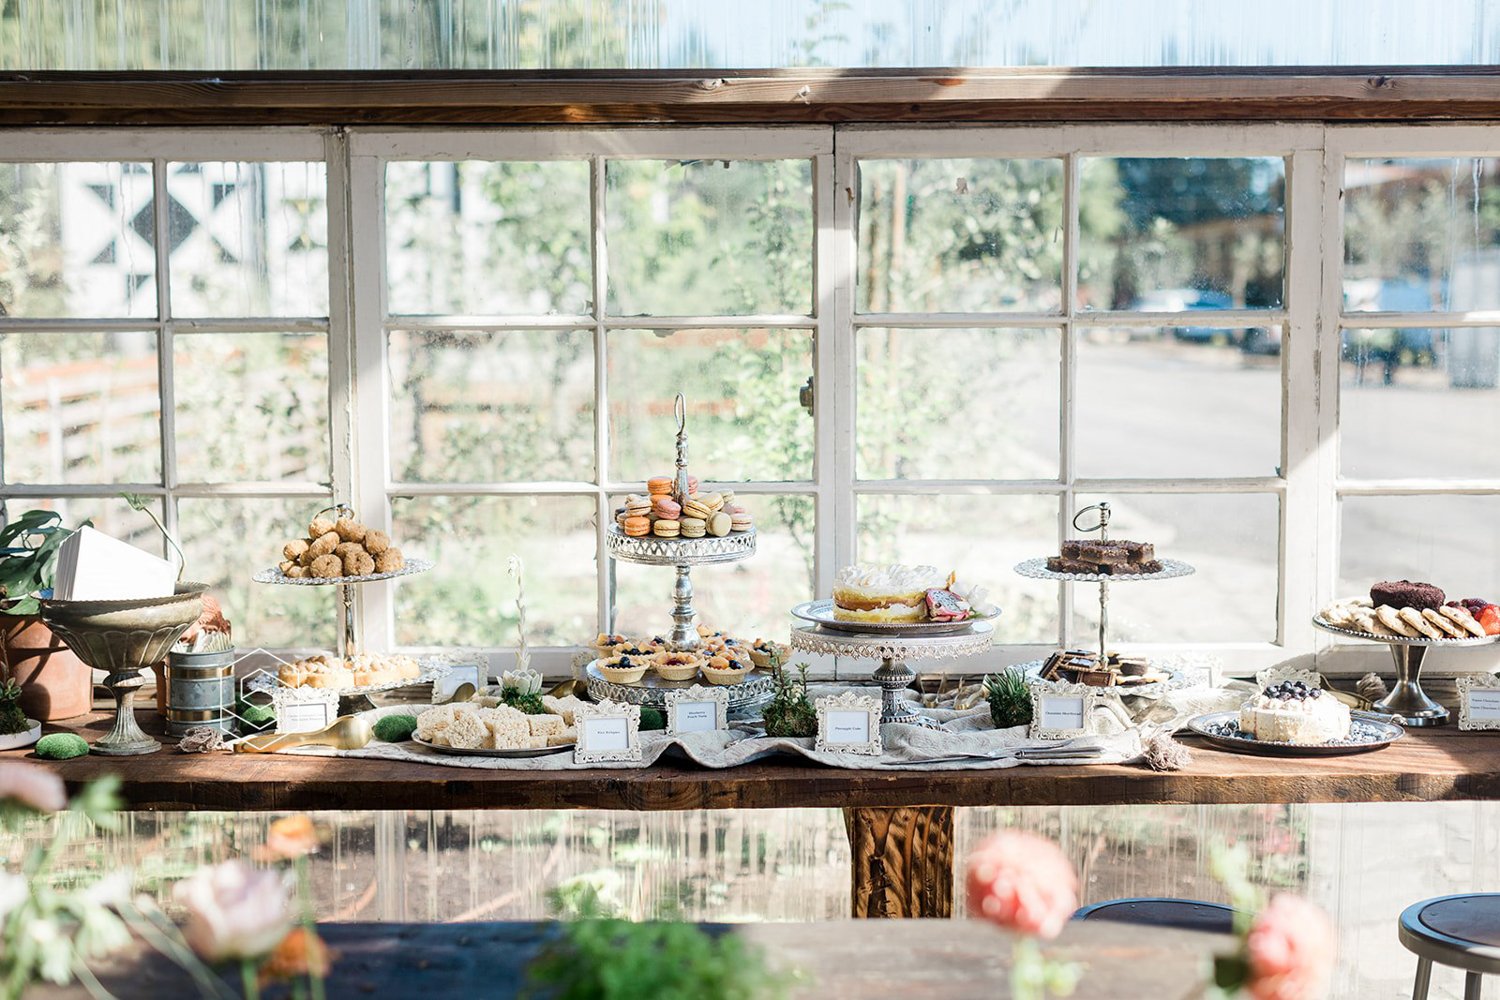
x: 1291, y: 949
x: 1024, y: 883
x: 234, y: 911
x: 32, y: 786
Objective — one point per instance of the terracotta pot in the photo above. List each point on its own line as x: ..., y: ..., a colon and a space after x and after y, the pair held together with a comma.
x: 55, y: 683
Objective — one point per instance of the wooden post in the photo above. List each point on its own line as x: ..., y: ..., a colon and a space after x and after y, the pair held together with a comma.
x: 901, y: 862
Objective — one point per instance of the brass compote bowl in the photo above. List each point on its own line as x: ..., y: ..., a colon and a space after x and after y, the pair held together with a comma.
x: 122, y: 638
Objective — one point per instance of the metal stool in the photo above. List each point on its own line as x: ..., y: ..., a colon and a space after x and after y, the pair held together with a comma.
x: 1159, y: 911
x: 1462, y: 930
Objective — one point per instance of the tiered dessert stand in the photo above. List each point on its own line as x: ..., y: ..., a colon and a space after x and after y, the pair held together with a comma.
x: 892, y: 645
x: 682, y: 554
x: 1407, y: 702
x: 1037, y: 569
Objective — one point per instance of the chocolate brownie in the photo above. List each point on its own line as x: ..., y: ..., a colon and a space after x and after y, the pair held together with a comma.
x: 1406, y: 594
x: 1063, y: 564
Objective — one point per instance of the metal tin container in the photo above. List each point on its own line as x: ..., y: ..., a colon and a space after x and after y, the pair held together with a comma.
x: 200, y: 691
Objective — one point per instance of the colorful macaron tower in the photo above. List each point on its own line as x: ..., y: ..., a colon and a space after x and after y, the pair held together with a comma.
x: 674, y: 508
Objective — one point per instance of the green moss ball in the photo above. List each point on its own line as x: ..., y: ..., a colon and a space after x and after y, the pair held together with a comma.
x: 652, y: 719
x: 61, y: 746
x: 395, y: 728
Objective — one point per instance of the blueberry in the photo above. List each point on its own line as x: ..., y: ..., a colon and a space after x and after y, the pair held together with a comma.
x: 1315, y: 693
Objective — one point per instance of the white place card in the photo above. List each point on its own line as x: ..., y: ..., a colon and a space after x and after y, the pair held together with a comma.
x: 849, y: 723
x: 608, y: 731
x: 304, y: 710
x: 1061, y: 711
x: 1479, y: 702
x: 445, y: 684
x: 697, y: 709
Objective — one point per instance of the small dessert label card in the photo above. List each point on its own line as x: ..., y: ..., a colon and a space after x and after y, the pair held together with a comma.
x: 304, y: 710
x: 1479, y: 702
x: 697, y: 709
x: 1062, y: 711
x: 609, y: 731
x: 849, y: 723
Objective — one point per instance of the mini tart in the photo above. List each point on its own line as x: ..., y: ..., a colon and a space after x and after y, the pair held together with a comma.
x: 723, y: 671
x: 761, y: 652
x: 677, y: 666
x: 623, y: 669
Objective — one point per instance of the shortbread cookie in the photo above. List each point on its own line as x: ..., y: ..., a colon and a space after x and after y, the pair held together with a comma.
x: 1415, y: 619
x: 1391, y: 619
x: 1461, y: 617
x: 1365, y: 621
x: 1443, y: 624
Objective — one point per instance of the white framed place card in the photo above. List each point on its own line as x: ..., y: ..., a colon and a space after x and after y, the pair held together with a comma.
x: 848, y: 723
x: 608, y: 731
x: 304, y: 710
x: 697, y: 709
x: 1061, y: 711
x: 1479, y: 701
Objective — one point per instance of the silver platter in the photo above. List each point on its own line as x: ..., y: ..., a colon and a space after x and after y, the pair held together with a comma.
x: 752, y: 692
x: 1155, y: 689
x: 481, y: 752
x: 1037, y: 569
x: 275, y: 575
x: 430, y: 673
x: 821, y: 613
x: 1368, y: 732
x: 649, y: 550
x: 976, y: 638
x: 1401, y: 640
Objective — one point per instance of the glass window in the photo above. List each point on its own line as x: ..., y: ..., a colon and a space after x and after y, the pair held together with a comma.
x: 1451, y: 541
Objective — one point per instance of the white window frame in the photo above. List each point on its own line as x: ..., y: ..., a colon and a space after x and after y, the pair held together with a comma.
x: 1309, y: 492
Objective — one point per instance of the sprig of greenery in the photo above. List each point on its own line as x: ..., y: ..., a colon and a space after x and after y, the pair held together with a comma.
x: 1009, y: 698
x: 789, y: 712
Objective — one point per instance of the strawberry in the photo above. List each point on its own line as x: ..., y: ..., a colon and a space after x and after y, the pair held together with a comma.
x: 1489, y: 617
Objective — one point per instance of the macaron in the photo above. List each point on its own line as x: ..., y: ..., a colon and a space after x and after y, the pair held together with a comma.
x: 720, y: 524
x: 697, y: 508
x: 712, y: 501
x: 659, y: 485
x: 635, y: 527
x: 637, y: 505
x: 741, y: 521
x: 665, y: 506
x: 665, y: 528
x: 693, y: 527
x: 692, y: 484
x: 728, y: 496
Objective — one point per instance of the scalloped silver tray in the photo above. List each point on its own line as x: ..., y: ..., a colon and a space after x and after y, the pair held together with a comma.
x: 430, y: 673
x: 1037, y: 569
x: 1402, y: 640
x: 755, y: 690
x: 481, y: 752
x: 1033, y: 670
x: 1373, y: 733
x: 650, y: 550
x: 816, y: 639
x: 274, y: 575
x: 821, y: 613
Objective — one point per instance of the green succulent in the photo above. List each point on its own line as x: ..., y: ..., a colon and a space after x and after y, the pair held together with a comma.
x: 790, y: 712
x: 1009, y: 698
x: 652, y: 719
x: 12, y: 719
x: 531, y: 704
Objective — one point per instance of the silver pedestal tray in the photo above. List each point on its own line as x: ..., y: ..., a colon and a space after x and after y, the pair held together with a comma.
x: 122, y: 638
x: 682, y: 553
x: 1407, y: 701
x: 893, y: 675
x: 745, y: 698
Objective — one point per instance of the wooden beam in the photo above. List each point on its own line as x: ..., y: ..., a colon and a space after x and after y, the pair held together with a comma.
x: 750, y: 96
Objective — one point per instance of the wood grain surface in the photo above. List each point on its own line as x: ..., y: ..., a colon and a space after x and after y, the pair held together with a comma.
x: 838, y: 960
x: 901, y: 861
x: 1360, y: 94
x: 1425, y: 765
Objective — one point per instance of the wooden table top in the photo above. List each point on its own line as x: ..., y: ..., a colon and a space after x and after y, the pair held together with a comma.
x: 1425, y: 765
x: 930, y: 959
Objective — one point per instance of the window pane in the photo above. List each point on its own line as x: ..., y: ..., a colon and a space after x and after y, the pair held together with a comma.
x: 709, y: 237
x: 478, y: 238
x: 81, y: 407
x: 1451, y: 541
x: 1420, y: 234
x: 1184, y: 401
x: 979, y: 537
x: 468, y: 599
x: 744, y: 420
x: 474, y: 407
x: 248, y: 239
x: 749, y: 599
x: 1169, y: 235
x: 1398, y: 386
x: 227, y: 540
x: 110, y: 514
x: 1231, y: 540
x: 75, y: 239
x: 1005, y: 425
x: 960, y: 235
x: 251, y: 406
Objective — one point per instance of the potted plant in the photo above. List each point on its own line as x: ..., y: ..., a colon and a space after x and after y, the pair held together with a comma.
x: 54, y: 683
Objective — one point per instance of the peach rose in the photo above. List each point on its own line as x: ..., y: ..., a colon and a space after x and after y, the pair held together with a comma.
x: 300, y: 953
x: 1022, y: 882
x: 33, y: 786
x: 1291, y: 950
x: 234, y: 911
x: 289, y: 838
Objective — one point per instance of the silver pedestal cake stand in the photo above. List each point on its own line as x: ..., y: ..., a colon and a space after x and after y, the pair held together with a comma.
x: 681, y: 553
x: 893, y: 649
x: 1410, y: 705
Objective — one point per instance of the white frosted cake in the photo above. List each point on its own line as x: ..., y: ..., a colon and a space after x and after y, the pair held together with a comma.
x: 1291, y: 712
x: 892, y: 594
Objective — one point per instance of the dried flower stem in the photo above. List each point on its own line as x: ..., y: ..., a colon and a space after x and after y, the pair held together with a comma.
x: 523, y: 658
